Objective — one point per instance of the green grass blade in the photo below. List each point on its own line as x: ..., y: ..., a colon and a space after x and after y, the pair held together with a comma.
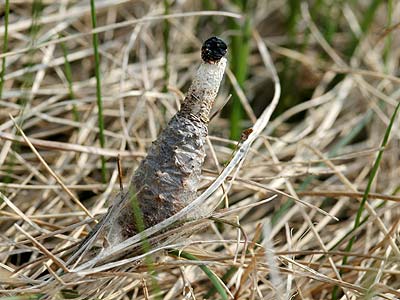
x: 374, y: 171
x: 213, y: 278
x: 240, y: 51
x: 98, y: 89
x: 166, y: 30
x: 389, y: 39
x: 5, y: 46
x: 138, y: 217
x: 68, y: 76
x: 339, y: 242
x: 228, y: 275
x: 365, y: 25
x: 284, y: 208
x: 27, y: 82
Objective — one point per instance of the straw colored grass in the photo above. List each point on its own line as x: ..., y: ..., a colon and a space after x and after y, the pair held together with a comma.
x: 280, y: 204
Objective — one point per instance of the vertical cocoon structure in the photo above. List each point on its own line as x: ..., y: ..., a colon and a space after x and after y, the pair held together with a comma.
x: 168, y: 178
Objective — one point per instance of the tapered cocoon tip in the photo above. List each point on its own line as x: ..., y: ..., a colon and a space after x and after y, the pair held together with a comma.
x: 213, y: 50
x: 203, y: 90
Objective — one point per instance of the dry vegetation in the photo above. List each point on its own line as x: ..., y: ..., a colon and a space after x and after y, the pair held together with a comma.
x: 285, y: 214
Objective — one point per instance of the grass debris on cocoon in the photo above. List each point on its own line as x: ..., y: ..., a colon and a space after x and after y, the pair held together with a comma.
x: 304, y: 168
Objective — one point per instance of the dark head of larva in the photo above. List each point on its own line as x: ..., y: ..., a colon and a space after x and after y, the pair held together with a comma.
x: 213, y: 50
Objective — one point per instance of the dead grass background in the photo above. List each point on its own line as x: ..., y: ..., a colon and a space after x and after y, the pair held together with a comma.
x: 316, y: 155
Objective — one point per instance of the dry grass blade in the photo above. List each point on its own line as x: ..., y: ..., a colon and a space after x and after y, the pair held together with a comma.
x: 337, y: 194
x: 318, y: 84
x: 124, y: 24
x: 18, y: 212
x: 52, y: 173
x: 43, y: 249
x: 53, y: 145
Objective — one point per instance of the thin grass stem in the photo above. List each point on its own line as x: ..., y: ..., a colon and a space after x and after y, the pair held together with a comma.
x: 98, y: 89
x: 240, y: 51
x: 389, y: 38
x: 139, y: 222
x: 5, y: 46
x: 166, y: 30
x: 213, y: 278
x: 68, y: 76
x: 374, y: 171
